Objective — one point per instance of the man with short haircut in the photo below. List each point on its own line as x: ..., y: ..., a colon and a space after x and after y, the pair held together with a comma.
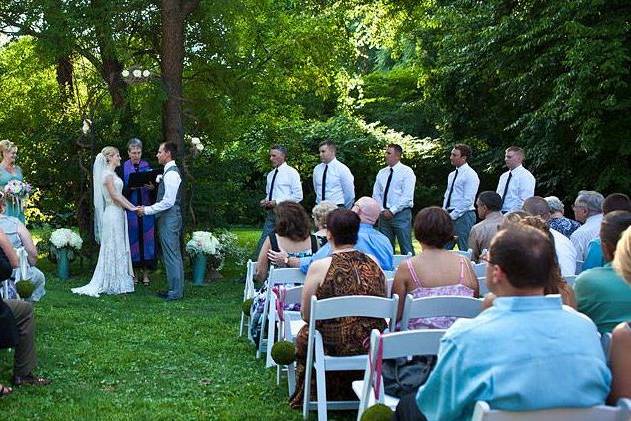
x: 565, y: 251
x: 369, y: 241
x: 332, y: 180
x: 588, y: 211
x: 517, y: 184
x: 594, y: 255
x: 394, y: 190
x: 488, y: 204
x: 527, y: 352
x: 462, y: 186
x: 283, y: 184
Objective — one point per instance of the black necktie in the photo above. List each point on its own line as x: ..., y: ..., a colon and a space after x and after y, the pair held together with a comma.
x: 326, y: 168
x: 385, y: 192
x: 271, y: 188
x: 451, y: 190
x: 137, y: 167
x: 510, y: 175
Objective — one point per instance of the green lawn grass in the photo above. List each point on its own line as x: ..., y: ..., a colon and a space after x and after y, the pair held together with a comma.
x: 138, y: 357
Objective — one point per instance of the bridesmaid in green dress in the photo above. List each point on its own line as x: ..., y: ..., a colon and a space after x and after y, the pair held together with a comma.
x: 9, y: 171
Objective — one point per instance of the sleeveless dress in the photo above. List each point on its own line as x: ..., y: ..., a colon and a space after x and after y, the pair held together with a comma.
x: 11, y: 208
x: 420, y: 291
x: 113, y: 273
x: 350, y: 273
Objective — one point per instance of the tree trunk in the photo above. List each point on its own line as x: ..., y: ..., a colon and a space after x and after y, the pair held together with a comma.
x: 173, y: 14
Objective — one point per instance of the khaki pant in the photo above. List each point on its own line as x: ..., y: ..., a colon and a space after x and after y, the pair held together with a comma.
x: 25, y: 355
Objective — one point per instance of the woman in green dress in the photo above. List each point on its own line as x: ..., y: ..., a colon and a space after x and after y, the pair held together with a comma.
x: 9, y: 171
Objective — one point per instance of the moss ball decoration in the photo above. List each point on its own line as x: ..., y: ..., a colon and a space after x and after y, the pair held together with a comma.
x: 284, y: 352
x: 24, y: 288
x: 246, y: 306
x: 378, y: 412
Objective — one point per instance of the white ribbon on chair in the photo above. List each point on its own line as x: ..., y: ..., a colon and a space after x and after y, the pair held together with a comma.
x: 22, y: 272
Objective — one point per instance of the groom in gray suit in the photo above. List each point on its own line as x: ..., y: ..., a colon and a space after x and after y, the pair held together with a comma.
x: 169, y: 220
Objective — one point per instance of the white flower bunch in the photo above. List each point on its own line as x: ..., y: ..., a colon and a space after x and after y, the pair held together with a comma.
x: 203, y: 242
x: 197, y: 143
x: 63, y: 237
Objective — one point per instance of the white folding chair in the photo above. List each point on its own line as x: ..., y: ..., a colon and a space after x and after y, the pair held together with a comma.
x: 394, y: 345
x: 484, y: 289
x: 332, y: 308
x: 480, y: 269
x: 4, y: 289
x: 466, y: 253
x: 482, y: 412
x: 277, y: 276
x: 579, y: 266
x: 389, y: 274
x: 439, y: 306
x: 605, y: 342
x: 248, y: 292
x: 291, y: 326
x: 397, y: 259
x: 570, y: 279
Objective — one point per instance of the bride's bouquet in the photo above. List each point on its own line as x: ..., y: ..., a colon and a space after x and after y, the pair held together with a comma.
x: 65, y: 238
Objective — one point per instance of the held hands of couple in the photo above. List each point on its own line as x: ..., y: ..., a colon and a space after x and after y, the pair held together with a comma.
x: 279, y: 258
x: 140, y: 210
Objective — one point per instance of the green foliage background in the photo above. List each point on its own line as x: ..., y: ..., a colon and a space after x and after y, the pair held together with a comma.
x: 550, y: 76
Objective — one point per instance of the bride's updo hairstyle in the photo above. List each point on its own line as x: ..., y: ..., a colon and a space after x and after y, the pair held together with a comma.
x: 7, y: 146
x: 108, y: 152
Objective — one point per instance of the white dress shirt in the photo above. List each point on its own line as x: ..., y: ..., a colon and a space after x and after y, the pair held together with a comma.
x: 566, y: 253
x: 339, y: 183
x: 171, y: 182
x: 586, y: 233
x: 401, y: 190
x: 287, y: 186
x: 520, y: 188
x: 465, y: 189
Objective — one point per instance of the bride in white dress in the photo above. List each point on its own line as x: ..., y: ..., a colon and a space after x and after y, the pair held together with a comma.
x: 114, y: 271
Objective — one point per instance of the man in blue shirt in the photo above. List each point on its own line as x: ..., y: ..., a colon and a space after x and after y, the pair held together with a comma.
x: 369, y: 240
x: 526, y: 352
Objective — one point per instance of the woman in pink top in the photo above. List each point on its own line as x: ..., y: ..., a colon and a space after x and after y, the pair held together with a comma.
x: 435, y: 271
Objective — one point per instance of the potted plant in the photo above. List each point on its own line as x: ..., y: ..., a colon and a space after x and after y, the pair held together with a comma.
x: 202, y: 247
x: 64, y: 243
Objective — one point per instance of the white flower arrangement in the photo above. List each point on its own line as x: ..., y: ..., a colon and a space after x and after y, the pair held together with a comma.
x: 63, y: 237
x: 203, y: 242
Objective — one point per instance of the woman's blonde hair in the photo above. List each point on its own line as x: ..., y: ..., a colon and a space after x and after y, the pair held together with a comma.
x: 320, y: 212
x: 7, y: 146
x: 622, y: 257
x: 108, y: 151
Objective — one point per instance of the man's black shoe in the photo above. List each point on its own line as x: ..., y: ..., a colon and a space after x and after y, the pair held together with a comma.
x: 162, y: 294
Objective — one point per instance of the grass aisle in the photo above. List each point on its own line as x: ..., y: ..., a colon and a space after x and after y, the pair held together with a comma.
x: 137, y: 357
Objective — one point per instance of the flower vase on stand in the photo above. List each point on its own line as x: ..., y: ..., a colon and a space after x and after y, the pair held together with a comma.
x: 199, y: 269
x: 63, y: 264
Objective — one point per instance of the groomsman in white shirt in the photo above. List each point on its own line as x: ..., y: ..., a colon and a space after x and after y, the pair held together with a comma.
x: 332, y: 180
x: 459, y: 198
x: 283, y: 184
x: 394, y: 191
x: 517, y: 184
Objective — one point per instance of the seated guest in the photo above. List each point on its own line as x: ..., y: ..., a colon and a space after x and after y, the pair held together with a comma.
x: 565, y: 226
x: 565, y: 251
x: 369, y: 240
x: 594, y: 256
x: 319, y: 214
x: 20, y: 320
x: 527, y: 352
x: 291, y: 235
x: 488, y: 206
x: 600, y: 292
x: 587, y: 210
x: 347, y: 271
x: 20, y: 237
x: 435, y: 271
x: 620, y: 350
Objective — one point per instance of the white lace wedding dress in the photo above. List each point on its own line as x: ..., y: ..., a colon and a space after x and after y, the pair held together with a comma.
x: 114, y: 272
